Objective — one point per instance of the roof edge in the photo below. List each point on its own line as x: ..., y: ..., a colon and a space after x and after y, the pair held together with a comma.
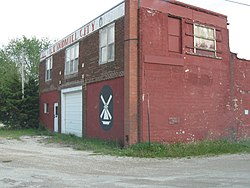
x: 195, y: 8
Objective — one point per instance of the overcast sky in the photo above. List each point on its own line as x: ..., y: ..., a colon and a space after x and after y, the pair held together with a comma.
x: 56, y: 19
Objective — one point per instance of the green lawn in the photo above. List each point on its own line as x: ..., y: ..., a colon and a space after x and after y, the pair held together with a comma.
x: 203, y: 148
x: 16, y: 134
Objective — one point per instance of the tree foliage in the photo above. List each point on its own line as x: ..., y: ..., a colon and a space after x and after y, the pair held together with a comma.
x: 26, y: 51
x: 16, y: 110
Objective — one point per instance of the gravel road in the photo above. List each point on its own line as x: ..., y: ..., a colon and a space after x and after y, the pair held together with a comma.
x: 30, y: 162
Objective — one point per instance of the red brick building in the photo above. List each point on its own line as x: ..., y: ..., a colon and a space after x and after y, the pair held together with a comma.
x: 147, y: 69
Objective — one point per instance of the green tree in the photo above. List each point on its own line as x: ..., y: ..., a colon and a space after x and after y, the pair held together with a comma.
x: 11, y: 103
x: 30, y: 105
x: 26, y: 52
x: 18, y: 110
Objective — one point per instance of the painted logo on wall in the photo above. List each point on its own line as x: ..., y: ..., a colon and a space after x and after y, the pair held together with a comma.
x: 106, y: 108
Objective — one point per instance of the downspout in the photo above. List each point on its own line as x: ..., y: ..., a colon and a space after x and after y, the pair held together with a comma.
x: 139, y: 74
x: 231, y: 68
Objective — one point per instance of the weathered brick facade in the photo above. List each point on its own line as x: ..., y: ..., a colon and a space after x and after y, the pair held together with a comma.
x: 88, y: 63
x: 89, y: 73
x: 159, y: 78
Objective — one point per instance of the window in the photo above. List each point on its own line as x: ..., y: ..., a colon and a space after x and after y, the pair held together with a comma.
x: 46, y: 108
x: 174, y: 34
x: 204, y: 40
x: 48, y: 71
x: 71, y: 59
x: 107, y: 44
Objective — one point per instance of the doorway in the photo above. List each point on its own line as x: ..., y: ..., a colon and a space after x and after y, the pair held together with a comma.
x: 55, y: 117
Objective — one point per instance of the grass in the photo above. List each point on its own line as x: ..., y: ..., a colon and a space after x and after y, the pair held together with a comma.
x: 95, y: 145
x: 203, y: 148
x: 17, y: 133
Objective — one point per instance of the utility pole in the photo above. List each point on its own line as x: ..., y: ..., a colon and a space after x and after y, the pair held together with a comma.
x: 22, y: 77
x: 22, y: 72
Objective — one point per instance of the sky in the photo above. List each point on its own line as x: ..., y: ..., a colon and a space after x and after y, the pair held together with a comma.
x: 55, y: 19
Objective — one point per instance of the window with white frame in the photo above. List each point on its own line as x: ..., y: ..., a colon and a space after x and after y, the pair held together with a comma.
x: 71, y: 59
x: 46, y: 108
x: 204, y: 39
x: 48, y: 71
x: 107, y: 44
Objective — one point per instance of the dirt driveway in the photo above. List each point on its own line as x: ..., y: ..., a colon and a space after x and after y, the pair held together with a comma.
x: 32, y: 163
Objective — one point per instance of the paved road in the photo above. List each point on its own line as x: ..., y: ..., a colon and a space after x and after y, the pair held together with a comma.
x: 31, y: 163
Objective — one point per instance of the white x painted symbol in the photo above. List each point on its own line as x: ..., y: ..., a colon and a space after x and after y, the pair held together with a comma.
x: 105, y: 112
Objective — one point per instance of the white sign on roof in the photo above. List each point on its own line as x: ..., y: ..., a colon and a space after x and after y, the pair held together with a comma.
x: 99, y: 22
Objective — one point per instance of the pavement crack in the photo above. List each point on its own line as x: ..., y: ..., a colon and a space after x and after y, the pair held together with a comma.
x: 6, y: 161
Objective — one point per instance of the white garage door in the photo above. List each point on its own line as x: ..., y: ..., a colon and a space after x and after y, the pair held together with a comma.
x: 72, y: 111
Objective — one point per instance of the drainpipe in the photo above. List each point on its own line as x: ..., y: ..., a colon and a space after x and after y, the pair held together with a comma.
x: 232, y: 79
x: 140, y: 93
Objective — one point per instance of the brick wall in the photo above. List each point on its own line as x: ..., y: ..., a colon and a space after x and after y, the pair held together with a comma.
x: 89, y: 70
x: 93, y: 128
x: 47, y: 119
x: 187, y: 94
x: 240, y: 96
x: 88, y: 63
x: 131, y: 92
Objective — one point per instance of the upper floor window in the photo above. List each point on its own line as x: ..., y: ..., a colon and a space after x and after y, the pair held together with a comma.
x: 107, y: 44
x: 204, y: 40
x: 48, y: 71
x: 71, y: 59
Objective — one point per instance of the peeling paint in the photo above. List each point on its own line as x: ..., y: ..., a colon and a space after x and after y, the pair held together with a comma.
x: 235, y: 104
x: 191, y: 138
x: 152, y: 12
x: 180, y: 132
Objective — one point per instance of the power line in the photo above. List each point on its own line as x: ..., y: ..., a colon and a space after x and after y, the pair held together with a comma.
x: 238, y: 3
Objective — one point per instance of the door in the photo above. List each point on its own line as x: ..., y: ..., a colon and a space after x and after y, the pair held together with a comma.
x: 55, y: 117
x: 72, y: 111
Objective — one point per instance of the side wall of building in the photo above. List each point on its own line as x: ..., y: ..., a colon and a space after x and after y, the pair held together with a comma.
x: 185, y: 95
x: 240, y: 96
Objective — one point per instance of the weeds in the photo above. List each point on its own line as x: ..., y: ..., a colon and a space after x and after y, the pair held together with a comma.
x: 202, y: 148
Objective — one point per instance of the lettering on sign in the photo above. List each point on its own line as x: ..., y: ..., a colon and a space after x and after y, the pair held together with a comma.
x: 103, y: 20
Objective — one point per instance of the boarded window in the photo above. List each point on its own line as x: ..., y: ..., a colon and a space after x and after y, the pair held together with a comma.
x: 204, y: 40
x: 174, y: 34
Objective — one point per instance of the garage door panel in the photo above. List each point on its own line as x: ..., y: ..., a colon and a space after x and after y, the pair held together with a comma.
x: 73, y: 113
x: 74, y: 106
x: 70, y: 124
